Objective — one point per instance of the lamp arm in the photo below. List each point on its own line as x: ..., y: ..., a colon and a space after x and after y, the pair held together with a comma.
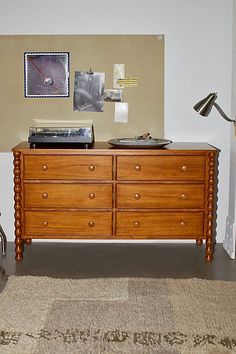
x: 222, y: 113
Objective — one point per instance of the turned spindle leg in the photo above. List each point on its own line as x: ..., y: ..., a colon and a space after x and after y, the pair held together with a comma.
x: 17, y: 206
x: 210, y: 212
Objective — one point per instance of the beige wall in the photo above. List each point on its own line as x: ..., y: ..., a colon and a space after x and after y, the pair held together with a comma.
x: 143, y: 56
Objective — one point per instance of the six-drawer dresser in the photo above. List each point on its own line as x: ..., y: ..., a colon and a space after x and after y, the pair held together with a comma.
x: 107, y: 193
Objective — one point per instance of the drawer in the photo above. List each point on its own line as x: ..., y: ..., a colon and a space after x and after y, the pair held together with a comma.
x: 148, y: 225
x: 160, y: 196
x: 58, y: 195
x: 172, y: 168
x: 68, y: 224
x: 68, y: 167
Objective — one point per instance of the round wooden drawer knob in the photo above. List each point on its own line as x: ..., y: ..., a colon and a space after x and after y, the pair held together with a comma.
x: 136, y: 224
x: 91, y: 224
x: 44, y: 195
x: 184, y: 168
x: 44, y: 168
x: 137, y: 168
x: 183, y: 223
x: 137, y: 196
x: 91, y: 168
x: 44, y: 223
x: 91, y: 196
x: 184, y: 196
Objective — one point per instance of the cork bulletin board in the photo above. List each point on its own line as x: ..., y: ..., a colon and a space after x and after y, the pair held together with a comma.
x: 142, y: 56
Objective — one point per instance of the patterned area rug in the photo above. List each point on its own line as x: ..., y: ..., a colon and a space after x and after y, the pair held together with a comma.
x: 124, y: 315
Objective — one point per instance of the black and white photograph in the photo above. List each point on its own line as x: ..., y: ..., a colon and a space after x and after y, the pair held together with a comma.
x: 46, y: 74
x: 113, y: 95
x: 89, y: 91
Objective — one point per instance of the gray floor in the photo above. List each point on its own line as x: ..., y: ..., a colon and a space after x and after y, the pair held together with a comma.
x: 74, y: 260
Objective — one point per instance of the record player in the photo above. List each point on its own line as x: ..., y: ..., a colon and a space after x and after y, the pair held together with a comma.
x: 61, y: 133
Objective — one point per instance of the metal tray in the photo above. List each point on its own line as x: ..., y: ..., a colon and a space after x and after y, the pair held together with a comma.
x: 139, y: 143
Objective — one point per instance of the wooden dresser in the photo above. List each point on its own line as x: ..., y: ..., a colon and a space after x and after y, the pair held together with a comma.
x: 109, y: 193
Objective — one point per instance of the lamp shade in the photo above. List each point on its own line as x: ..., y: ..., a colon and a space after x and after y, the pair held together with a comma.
x: 204, y: 106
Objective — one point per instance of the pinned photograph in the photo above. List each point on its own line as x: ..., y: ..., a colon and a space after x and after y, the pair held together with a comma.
x: 89, y: 91
x: 46, y: 74
x: 113, y: 95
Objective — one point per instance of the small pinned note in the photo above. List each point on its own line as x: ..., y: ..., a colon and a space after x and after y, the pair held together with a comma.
x: 128, y: 82
x: 121, y: 112
x: 119, y: 73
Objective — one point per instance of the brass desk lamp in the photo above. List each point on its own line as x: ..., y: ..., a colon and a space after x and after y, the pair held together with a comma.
x: 204, y: 107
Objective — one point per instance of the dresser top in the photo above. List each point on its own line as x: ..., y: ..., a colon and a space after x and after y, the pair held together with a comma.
x: 107, y: 149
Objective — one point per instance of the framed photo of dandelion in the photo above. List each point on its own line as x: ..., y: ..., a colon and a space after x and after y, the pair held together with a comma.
x: 46, y: 74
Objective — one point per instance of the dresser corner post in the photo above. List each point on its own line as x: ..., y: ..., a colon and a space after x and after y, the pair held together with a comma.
x: 17, y: 206
x: 210, y: 208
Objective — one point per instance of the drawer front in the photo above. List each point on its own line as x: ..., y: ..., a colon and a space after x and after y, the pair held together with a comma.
x: 67, y: 167
x: 149, y: 225
x: 160, y: 196
x: 68, y: 224
x: 58, y: 195
x: 172, y: 168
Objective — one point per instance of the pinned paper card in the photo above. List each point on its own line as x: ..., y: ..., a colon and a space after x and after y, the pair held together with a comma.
x: 121, y: 112
x: 119, y: 73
